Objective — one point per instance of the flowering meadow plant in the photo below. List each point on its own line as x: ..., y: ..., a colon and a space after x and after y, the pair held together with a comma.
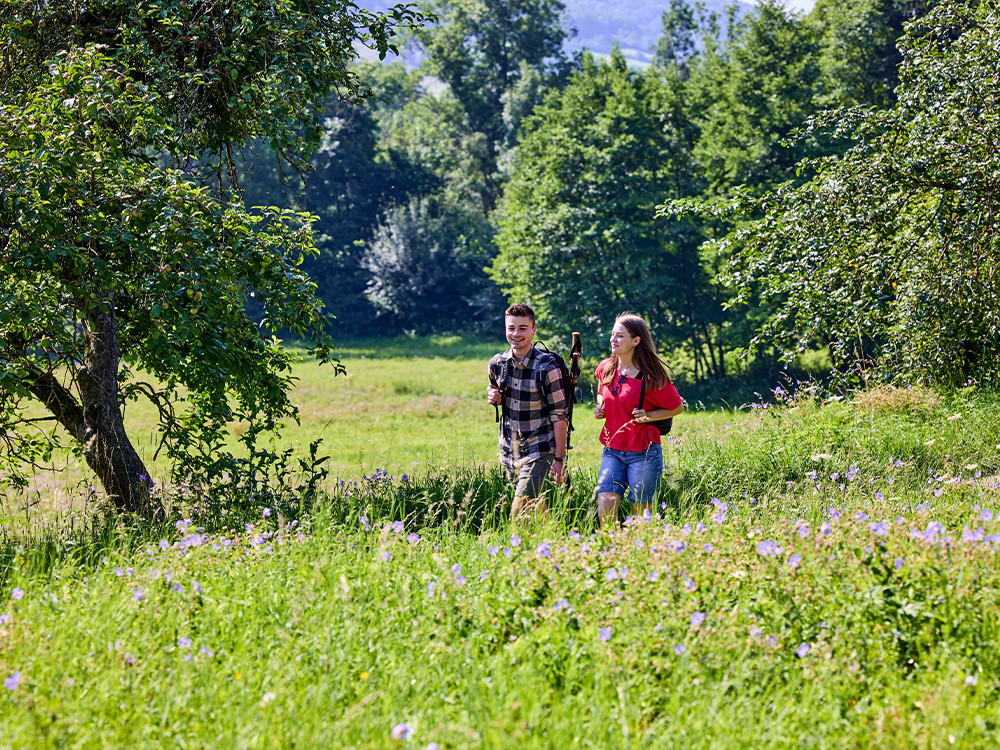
x: 840, y: 610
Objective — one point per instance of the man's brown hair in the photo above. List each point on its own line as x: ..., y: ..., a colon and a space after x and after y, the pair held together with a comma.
x: 521, y: 311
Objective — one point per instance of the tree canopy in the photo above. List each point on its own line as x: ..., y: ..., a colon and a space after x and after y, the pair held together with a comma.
x: 115, y: 259
x: 889, y: 252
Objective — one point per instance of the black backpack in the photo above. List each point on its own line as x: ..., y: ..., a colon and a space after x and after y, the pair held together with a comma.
x: 569, y: 378
x: 663, y: 425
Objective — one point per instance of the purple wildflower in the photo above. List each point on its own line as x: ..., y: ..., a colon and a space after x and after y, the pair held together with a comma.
x: 17, y: 593
x: 802, y: 650
x: 400, y: 731
x: 679, y: 649
x: 604, y: 634
x: 12, y: 682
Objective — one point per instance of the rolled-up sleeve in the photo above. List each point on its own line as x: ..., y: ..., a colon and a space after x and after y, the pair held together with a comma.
x: 558, y: 405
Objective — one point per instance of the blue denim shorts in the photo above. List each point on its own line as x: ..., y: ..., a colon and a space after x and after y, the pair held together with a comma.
x: 637, y: 471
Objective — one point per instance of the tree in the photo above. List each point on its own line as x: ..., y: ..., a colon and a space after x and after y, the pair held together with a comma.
x: 678, y: 44
x: 858, y: 57
x: 481, y: 50
x: 111, y: 261
x: 889, y: 253
x: 426, y: 272
x: 355, y: 176
x: 578, y: 238
x: 748, y: 95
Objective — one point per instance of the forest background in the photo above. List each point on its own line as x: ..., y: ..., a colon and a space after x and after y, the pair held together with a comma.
x: 511, y: 160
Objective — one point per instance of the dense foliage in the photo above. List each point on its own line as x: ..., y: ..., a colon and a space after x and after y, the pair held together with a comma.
x: 888, y: 254
x: 114, y: 256
x: 490, y: 118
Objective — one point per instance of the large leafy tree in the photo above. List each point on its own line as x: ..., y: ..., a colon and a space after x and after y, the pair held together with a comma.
x: 578, y: 237
x: 889, y: 253
x: 482, y: 49
x: 858, y: 57
x: 748, y: 93
x: 114, y: 259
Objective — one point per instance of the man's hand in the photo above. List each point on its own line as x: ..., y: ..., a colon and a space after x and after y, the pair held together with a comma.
x: 494, y: 396
x: 558, y: 472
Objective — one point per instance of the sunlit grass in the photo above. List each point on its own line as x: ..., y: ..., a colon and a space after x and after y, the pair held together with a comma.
x: 820, y: 574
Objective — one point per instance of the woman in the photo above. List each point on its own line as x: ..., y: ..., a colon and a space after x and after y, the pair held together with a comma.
x: 632, y: 458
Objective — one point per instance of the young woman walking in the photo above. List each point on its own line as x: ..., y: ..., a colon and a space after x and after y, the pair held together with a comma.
x: 633, y: 458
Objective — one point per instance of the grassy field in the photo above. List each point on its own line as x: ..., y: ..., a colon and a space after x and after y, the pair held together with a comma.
x: 818, y: 574
x: 405, y: 406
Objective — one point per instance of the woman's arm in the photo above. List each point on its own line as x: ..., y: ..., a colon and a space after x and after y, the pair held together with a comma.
x: 641, y: 415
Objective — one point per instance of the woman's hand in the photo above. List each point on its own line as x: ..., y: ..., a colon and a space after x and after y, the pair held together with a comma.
x: 599, y: 411
x: 639, y: 415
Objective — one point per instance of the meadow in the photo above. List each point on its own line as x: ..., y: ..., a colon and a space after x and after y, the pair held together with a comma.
x: 820, y: 572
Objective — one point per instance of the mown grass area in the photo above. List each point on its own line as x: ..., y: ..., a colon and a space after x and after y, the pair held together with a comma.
x: 817, y: 575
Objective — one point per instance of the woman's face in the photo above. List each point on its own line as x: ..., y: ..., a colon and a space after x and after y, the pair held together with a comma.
x: 622, y: 342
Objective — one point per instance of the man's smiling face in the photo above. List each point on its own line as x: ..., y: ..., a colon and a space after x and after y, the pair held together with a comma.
x: 520, y: 329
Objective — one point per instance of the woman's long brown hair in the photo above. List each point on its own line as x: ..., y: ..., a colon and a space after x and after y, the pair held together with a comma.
x: 656, y: 373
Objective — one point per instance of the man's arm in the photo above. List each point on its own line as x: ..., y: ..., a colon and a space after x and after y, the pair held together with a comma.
x: 493, y: 394
x: 561, y: 428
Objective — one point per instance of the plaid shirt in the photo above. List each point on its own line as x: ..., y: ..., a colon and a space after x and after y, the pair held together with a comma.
x: 533, y: 398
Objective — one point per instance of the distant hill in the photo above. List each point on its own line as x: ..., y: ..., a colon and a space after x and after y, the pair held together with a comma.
x: 634, y: 24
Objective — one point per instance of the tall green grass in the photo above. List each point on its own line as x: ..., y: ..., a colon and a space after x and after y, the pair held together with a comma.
x: 819, y: 574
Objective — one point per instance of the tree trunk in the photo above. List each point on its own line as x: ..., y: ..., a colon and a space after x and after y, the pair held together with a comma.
x: 106, y: 447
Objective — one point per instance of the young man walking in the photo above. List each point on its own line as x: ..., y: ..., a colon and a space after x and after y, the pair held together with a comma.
x: 528, y: 386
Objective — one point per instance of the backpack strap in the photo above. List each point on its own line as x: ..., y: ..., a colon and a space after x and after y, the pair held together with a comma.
x: 501, y: 408
x: 663, y: 425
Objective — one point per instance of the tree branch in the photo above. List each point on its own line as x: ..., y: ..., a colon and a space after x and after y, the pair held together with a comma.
x: 60, y: 402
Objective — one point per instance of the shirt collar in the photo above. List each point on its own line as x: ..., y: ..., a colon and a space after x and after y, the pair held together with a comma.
x: 528, y: 358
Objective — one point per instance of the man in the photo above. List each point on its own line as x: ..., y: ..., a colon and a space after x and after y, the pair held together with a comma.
x: 528, y: 385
